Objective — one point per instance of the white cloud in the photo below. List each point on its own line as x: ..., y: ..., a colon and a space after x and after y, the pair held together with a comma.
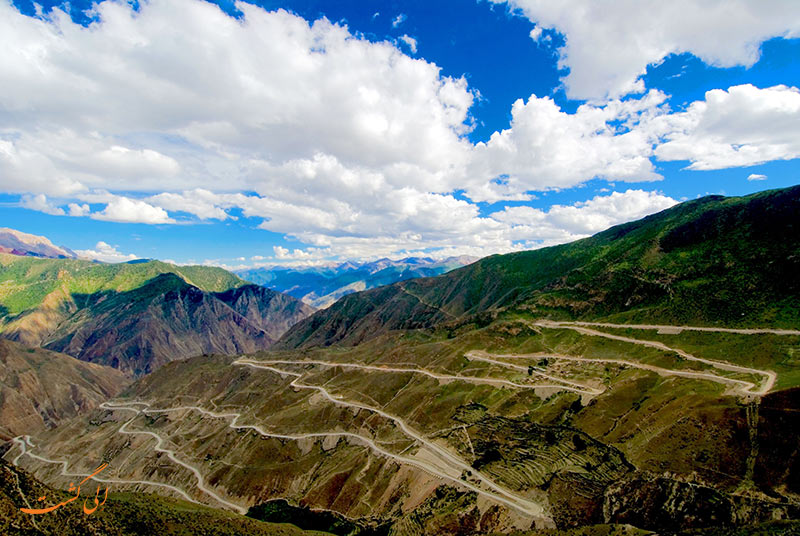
x: 742, y: 126
x: 283, y: 253
x: 198, y: 202
x: 398, y: 20
x: 360, y: 166
x: 545, y: 147
x: 512, y: 229
x: 410, y: 41
x: 140, y: 113
x: 609, y: 45
x: 562, y: 223
x: 78, y: 211
x: 756, y: 177
x: 105, y: 253
x: 40, y: 202
x: 126, y: 210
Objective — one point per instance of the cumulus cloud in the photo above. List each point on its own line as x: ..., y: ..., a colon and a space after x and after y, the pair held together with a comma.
x: 742, y: 126
x: 126, y: 210
x: 41, y: 203
x: 105, y: 252
x: 374, y: 163
x: 199, y: 202
x: 561, y: 223
x: 398, y: 20
x: 140, y: 110
x: 756, y: 177
x: 77, y: 210
x: 511, y: 229
x: 545, y: 147
x: 609, y: 45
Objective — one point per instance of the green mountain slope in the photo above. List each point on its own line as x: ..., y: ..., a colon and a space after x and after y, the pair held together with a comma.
x: 163, y: 320
x: 491, y: 420
x: 136, y: 317
x: 25, y: 282
x: 712, y: 261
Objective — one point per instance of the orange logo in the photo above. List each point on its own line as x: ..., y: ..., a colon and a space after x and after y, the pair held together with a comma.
x: 86, y: 509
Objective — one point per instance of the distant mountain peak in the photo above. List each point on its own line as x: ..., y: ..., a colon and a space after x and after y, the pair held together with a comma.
x: 26, y: 244
x: 322, y: 286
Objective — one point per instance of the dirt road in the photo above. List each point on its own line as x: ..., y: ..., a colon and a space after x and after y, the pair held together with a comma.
x: 751, y: 389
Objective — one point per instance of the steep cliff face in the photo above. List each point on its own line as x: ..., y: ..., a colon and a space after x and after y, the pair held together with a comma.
x: 271, y: 311
x: 136, y: 317
x: 168, y: 319
x: 40, y: 389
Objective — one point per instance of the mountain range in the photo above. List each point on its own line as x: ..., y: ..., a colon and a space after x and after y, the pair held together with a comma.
x: 138, y: 316
x: 712, y: 261
x: 645, y: 379
x: 321, y: 286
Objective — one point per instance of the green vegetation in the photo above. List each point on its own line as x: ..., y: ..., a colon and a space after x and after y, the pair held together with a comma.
x: 598, y: 435
x: 135, y: 317
x: 780, y: 353
x: 713, y: 261
x: 25, y: 282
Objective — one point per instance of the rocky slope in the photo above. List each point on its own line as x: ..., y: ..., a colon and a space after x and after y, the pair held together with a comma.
x: 712, y: 261
x: 136, y: 317
x: 272, y: 312
x: 617, y: 445
x: 123, y: 514
x: 25, y: 244
x: 40, y: 389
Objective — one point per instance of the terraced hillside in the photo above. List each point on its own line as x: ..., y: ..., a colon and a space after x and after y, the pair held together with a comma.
x: 136, y: 317
x: 519, y: 424
x: 715, y: 261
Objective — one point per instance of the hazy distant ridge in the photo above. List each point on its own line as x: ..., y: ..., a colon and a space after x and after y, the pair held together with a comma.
x: 321, y: 286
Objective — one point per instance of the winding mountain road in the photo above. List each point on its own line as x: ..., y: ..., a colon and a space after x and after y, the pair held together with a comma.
x: 744, y: 387
x: 445, y: 465
x: 497, y: 493
x: 566, y: 385
x: 22, y: 440
x: 678, y: 329
x: 749, y: 388
x: 424, y: 372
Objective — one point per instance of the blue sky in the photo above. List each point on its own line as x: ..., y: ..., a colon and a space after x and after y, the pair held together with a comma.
x: 238, y: 135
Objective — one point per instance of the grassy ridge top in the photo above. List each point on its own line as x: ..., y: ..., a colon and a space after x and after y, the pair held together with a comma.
x: 26, y: 281
x: 712, y: 261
